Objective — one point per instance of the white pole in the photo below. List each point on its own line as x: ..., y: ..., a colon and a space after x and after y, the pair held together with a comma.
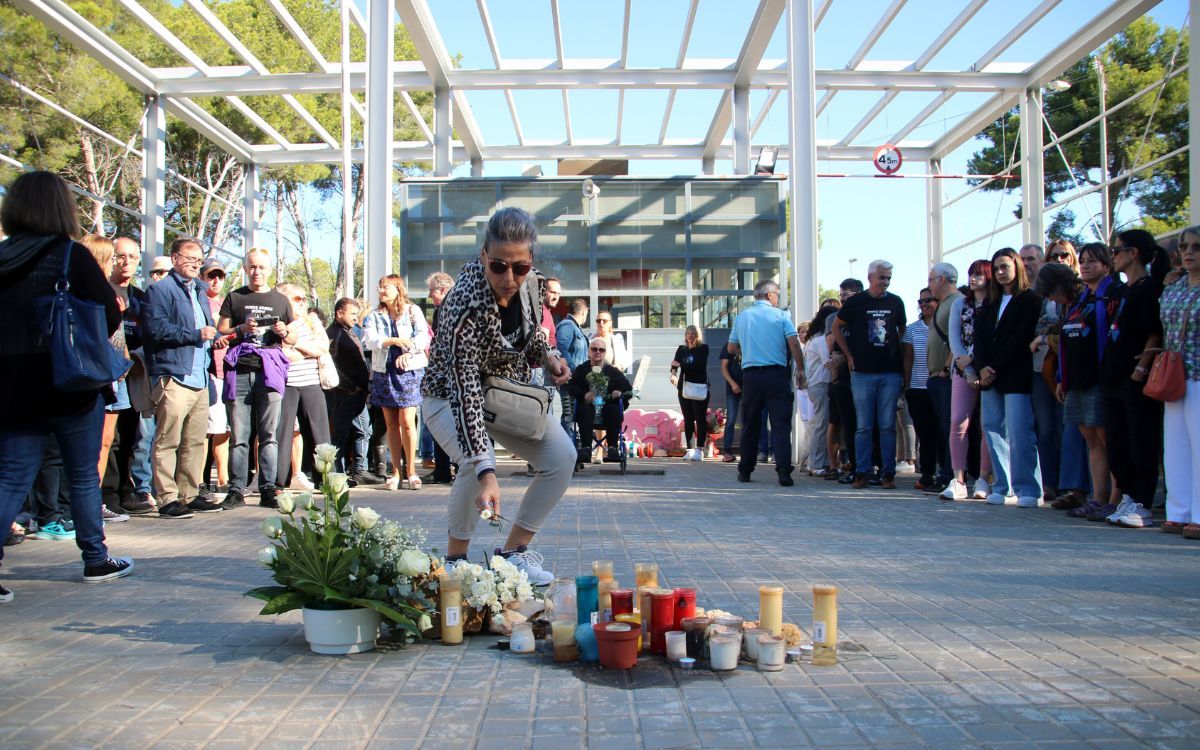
x: 154, y: 169
x: 1194, y: 108
x: 348, y: 249
x: 250, y: 196
x: 380, y: 49
x: 1105, y: 227
x: 741, y: 130
x: 441, y: 132
x: 1033, y: 190
x: 933, y: 212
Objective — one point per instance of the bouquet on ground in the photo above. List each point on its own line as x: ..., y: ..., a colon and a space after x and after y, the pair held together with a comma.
x: 328, y: 554
x: 716, y: 419
x: 498, y: 595
x: 598, y: 382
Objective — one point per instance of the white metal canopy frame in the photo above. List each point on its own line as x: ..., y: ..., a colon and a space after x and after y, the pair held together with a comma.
x: 455, y: 136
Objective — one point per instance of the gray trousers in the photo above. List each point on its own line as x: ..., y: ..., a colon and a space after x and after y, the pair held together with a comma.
x: 818, y: 426
x: 259, y: 406
x: 552, y: 458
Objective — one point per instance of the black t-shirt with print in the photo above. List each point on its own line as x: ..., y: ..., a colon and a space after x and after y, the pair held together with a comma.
x: 876, y: 325
x: 242, y: 305
x: 735, y: 365
x: 512, y: 323
x: 1136, y: 320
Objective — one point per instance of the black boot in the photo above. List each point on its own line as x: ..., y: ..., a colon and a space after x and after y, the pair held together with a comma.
x: 381, y: 462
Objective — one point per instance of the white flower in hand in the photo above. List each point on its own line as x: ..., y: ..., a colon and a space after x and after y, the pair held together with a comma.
x: 486, y: 514
x: 338, y: 483
x: 326, y: 453
x: 285, y: 503
x: 267, y: 556
x: 365, y: 518
x: 272, y: 527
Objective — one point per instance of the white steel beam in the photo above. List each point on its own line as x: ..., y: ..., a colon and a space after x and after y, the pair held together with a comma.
x: 416, y: 115
x: 1194, y: 106
x: 741, y: 130
x: 251, y: 231
x: 1033, y: 191
x: 802, y: 187
x: 418, y: 22
x: 154, y: 172
x: 933, y: 215
x: 861, y: 53
x: 683, y: 45
x: 64, y: 21
x: 623, y: 62
x: 441, y: 133
x: 379, y: 159
x: 348, y: 248
x: 766, y: 110
x: 1018, y: 31
x: 298, y: 33
x: 822, y: 9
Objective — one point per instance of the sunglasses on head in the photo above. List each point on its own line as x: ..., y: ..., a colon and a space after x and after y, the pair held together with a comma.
x: 501, y: 267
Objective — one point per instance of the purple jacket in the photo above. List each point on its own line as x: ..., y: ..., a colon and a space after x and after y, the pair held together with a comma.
x: 275, y: 368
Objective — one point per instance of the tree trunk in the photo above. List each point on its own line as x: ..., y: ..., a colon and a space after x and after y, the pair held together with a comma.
x: 93, y: 180
x: 291, y: 198
x: 221, y: 232
x: 278, y: 236
x: 356, y: 216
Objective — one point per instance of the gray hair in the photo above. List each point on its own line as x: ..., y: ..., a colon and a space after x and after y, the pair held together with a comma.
x: 1194, y: 231
x: 439, y: 280
x: 601, y: 339
x: 1037, y: 248
x: 763, y: 288
x: 946, y: 271
x: 877, y: 266
x: 511, y: 225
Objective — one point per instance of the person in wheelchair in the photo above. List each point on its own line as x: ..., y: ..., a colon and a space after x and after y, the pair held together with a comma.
x: 617, y: 398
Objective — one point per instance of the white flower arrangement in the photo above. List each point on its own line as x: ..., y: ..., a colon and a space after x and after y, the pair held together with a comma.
x: 493, y: 588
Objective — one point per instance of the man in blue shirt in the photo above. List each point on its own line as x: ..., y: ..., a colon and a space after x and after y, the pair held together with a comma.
x: 764, y: 337
x: 178, y: 332
x: 573, y: 343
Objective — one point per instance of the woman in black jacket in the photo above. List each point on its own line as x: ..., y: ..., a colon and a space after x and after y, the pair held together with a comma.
x: 39, y: 216
x: 691, y: 361
x: 1003, y: 361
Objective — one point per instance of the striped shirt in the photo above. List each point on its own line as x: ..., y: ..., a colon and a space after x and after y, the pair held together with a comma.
x: 304, y: 372
x: 917, y: 335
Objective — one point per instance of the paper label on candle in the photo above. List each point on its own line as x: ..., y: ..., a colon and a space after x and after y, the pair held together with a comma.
x: 595, y: 618
x: 453, y: 616
x: 606, y: 616
x: 818, y: 631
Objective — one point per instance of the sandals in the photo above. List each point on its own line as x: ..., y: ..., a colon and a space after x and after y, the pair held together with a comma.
x: 414, y: 482
x: 15, y: 536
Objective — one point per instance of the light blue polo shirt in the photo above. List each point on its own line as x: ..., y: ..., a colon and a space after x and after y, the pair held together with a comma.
x: 198, y: 377
x: 762, y: 332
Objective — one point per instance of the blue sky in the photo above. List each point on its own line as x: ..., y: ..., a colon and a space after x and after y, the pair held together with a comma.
x: 861, y: 218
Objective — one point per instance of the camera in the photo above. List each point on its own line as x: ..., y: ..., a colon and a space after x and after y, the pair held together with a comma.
x: 267, y: 321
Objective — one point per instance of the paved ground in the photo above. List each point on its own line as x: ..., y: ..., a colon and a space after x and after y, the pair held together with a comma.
x: 976, y: 626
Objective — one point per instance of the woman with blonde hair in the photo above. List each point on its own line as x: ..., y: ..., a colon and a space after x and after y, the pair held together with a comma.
x: 303, y: 395
x: 397, y: 336
x: 691, y: 361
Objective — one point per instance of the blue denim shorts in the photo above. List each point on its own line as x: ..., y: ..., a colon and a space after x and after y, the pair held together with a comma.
x: 122, y: 392
x: 1084, y: 408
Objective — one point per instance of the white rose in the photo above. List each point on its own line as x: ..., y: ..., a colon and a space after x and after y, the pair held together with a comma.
x: 412, y: 562
x: 322, y: 467
x: 424, y: 623
x: 326, y: 452
x: 304, y: 500
x: 338, y: 483
x: 486, y: 514
x: 285, y: 503
x: 365, y: 518
x: 272, y: 527
x: 267, y: 556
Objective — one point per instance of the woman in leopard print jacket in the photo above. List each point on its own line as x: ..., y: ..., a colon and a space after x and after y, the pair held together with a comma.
x: 487, y: 326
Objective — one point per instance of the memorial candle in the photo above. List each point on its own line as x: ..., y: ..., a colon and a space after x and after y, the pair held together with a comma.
x: 451, y: 609
x: 646, y: 574
x: 770, y: 607
x: 824, y: 633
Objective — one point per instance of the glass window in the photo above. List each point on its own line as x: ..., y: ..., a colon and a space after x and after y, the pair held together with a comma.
x: 741, y: 198
x: 634, y: 274
x: 748, y: 238
x: 546, y: 200
x: 633, y: 239
x: 572, y: 272
x: 718, y: 311
x: 620, y: 200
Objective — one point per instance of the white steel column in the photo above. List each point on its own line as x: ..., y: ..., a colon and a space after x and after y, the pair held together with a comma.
x: 380, y: 49
x: 154, y: 171
x: 477, y: 167
x: 441, y: 132
x: 741, y: 130
x: 348, y: 249
x: 1194, y: 107
x: 1033, y: 189
x: 933, y: 213
x: 802, y: 180
x: 708, y: 165
x: 251, y: 236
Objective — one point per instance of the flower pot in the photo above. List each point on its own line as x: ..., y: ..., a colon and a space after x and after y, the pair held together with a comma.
x: 341, y: 631
x: 618, y: 645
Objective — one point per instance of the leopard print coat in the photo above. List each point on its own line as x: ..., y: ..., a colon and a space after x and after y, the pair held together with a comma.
x: 469, y: 347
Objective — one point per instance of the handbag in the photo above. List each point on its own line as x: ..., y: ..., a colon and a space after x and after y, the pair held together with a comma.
x: 516, y: 408
x: 695, y: 391
x: 76, y: 335
x: 327, y: 372
x: 1167, y: 381
x: 412, y: 360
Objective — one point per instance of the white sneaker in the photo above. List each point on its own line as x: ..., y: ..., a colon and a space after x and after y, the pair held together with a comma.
x: 531, y: 562
x: 1136, y: 517
x: 300, y: 482
x: 956, y: 490
x: 982, y: 489
x: 687, y: 455
x: 1122, y: 508
x: 995, y: 498
x: 698, y: 454
x: 905, y: 467
x: 108, y: 516
x: 1029, y: 502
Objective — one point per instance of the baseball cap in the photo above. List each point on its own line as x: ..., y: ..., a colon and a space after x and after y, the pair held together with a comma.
x: 161, y: 263
x: 211, y: 264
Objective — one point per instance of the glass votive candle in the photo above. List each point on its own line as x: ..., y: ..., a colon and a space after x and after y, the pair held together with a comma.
x: 771, y: 652
x: 631, y: 618
x: 750, y: 641
x: 695, y: 630
x: 723, y: 651
x: 563, y: 633
x: 645, y: 574
x: 825, y: 625
x: 602, y: 569
x: 676, y: 645
x: 522, y: 641
x: 770, y: 607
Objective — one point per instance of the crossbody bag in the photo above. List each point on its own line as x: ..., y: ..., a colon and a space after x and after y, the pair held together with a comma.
x: 513, y: 407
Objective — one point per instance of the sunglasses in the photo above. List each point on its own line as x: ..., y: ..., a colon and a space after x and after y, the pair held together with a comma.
x: 501, y: 267
x: 924, y: 300
x: 603, y: 320
x: 1058, y: 256
x: 158, y: 272
x: 597, y: 349
x: 299, y: 299
x: 215, y: 275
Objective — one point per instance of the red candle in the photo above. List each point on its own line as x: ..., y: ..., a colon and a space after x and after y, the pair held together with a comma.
x: 662, y: 603
x: 685, y: 606
x: 622, y: 602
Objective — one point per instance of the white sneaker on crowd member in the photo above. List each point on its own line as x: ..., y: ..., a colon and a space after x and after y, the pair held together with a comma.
x: 1136, y: 517
x: 530, y: 562
x: 995, y: 498
x: 1029, y: 502
x: 956, y: 490
x: 107, y: 515
x: 698, y: 455
x: 692, y: 454
x: 300, y: 482
x: 982, y: 489
x: 1123, y: 507
x: 905, y: 467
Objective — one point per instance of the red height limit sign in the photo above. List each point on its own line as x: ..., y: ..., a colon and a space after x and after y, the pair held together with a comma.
x: 888, y: 159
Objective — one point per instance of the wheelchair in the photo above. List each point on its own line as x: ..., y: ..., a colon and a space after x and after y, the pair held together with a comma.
x: 622, y: 445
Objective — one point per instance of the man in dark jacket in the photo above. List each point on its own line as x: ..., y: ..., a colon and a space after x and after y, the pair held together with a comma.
x: 573, y: 344
x: 347, y: 401
x: 178, y: 330
x: 619, y: 389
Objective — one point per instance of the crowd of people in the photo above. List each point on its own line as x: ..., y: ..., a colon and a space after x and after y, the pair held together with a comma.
x: 1023, y: 385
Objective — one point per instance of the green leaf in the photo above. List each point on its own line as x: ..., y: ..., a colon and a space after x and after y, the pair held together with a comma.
x: 267, y: 593
x: 285, y: 603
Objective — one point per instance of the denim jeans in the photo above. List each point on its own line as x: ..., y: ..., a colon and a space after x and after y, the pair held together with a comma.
x: 875, y: 397
x: 426, y: 449
x: 1074, y: 469
x: 346, y: 430
x: 255, y: 402
x: 1048, y: 416
x: 362, y: 439
x: 140, y: 468
x: 1012, y: 441
x: 21, y: 449
x: 733, y: 407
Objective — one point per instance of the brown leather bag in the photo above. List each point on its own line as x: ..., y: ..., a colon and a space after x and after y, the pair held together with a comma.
x: 1167, y: 381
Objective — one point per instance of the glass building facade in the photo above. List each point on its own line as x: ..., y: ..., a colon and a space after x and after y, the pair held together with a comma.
x: 661, y: 253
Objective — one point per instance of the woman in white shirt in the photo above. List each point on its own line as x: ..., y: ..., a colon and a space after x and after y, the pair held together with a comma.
x: 819, y: 376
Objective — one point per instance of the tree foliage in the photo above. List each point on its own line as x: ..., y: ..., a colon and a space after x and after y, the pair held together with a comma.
x: 1136, y: 58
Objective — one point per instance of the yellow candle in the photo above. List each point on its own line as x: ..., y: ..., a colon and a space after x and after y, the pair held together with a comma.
x: 646, y: 575
x: 770, y: 607
x: 824, y: 633
x: 602, y: 569
x: 451, y: 606
x: 644, y: 594
x: 563, y: 634
x: 631, y: 617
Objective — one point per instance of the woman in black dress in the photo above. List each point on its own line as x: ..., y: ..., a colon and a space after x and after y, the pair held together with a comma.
x: 691, y: 360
